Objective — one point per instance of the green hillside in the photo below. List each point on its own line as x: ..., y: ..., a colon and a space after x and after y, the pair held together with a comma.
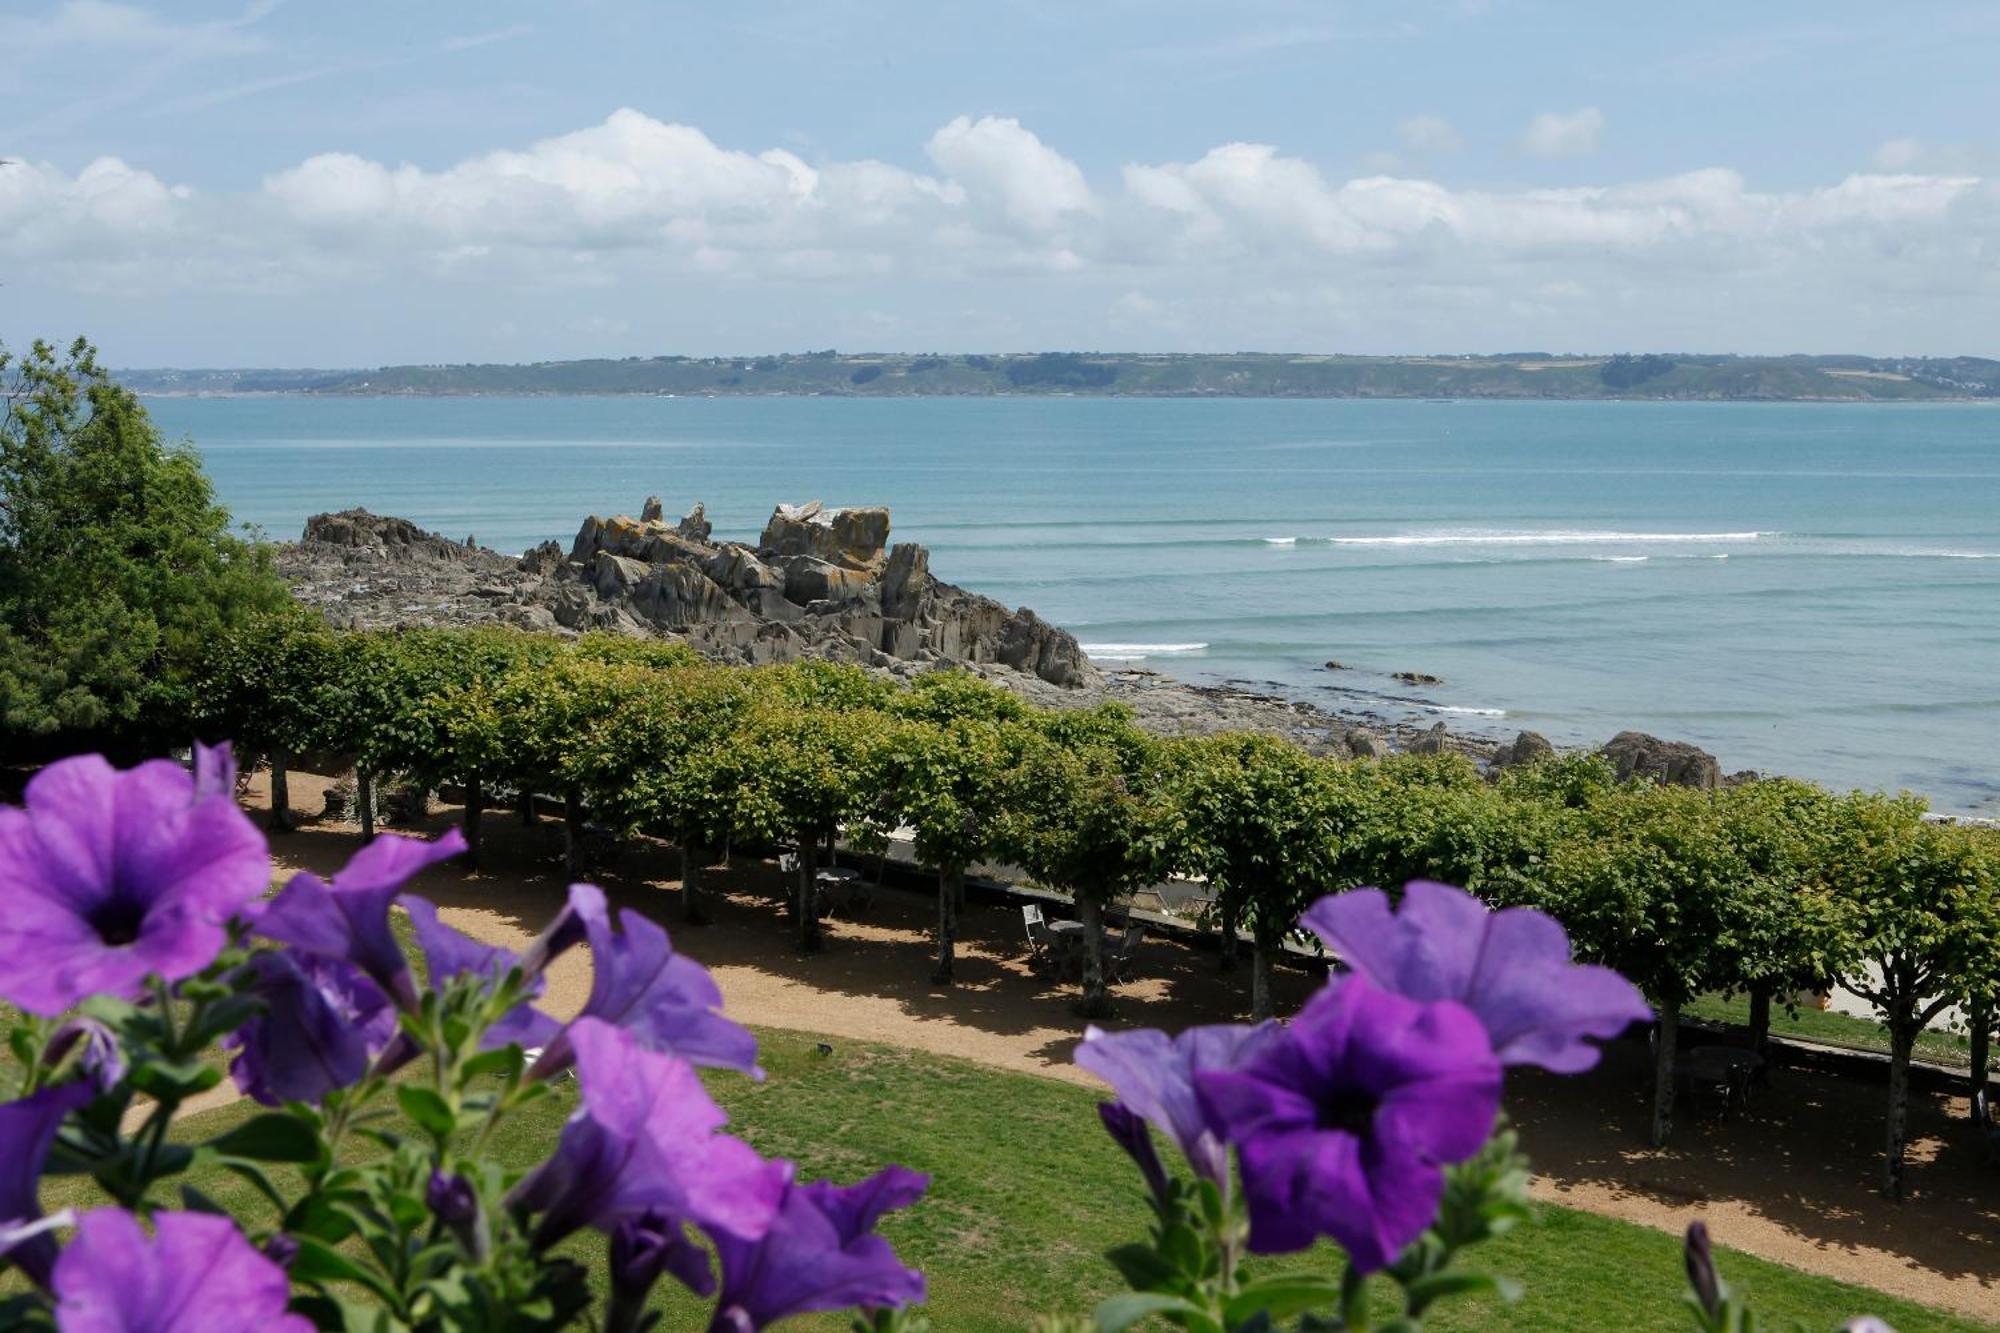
x: 1259, y: 375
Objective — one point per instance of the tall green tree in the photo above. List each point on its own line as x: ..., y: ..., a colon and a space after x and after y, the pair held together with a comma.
x: 948, y: 783
x: 1251, y: 817
x: 1651, y: 883
x: 1087, y: 813
x: 1920, y: 901
x: 117, y: 567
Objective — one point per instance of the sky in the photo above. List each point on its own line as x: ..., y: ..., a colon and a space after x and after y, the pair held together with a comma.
x: 291, y: 183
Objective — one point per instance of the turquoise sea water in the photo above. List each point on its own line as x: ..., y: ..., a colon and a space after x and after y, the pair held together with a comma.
x: 1801, y: 588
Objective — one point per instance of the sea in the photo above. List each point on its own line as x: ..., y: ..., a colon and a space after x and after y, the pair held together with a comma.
x: 1811, y: 589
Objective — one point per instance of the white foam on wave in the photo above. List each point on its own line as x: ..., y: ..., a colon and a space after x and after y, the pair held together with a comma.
x: 1281, y: 541
x: 1619, y: 559
x: 1551, y: 537
x: 1471, y: 712
x: 1133, y: 652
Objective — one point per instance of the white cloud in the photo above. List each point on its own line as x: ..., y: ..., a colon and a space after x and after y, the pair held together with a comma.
x: 102, y: 25
x: 1429, y: 134
x: 999, y: 163
x: 1003, y: 240
x: 1564, y: 133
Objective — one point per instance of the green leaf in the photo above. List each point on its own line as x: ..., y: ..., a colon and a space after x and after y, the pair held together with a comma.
x: 223, y: 1016
x: 319, y: 1264
x: 1425, y: 1290
x: 427, y: 1109
x: 195, y: 1201
x: 501, y: 1061
x: 1282, y: 1295
x: 1123, y: 1311
x: 253, y: 1173
x: 1142, y: 1267
x: 271, y: 1137
x: 174, y: 1081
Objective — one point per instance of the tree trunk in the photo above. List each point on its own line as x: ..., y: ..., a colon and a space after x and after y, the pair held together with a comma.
x: 1226, y: 949
x: 364, y: 796
x: 572, y: 834
x: 281, y: 793
x: 1096, y: 1001
x: 1981, y: 1019
x: 808, y: 905
x: 1902, y: 1040
x: 1760, y: 1015
x: 1663, y: 1072
x: 694, y: 909
x: 524, y: 806
x: 950, y: 885
x: 475, y: 799
x: 1262, y: 1005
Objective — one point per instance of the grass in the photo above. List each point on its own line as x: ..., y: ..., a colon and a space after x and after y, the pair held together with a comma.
x: 1027, y: 1192
x: 1834, y: 1029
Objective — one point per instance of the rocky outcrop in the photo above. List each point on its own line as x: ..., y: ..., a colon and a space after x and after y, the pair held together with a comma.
x: 1636, y: 755
x: 1435, y: 741
x: 1525, y: 748
x: 821, y: 582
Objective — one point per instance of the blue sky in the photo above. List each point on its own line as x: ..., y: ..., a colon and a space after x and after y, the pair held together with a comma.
x: 303, y: 183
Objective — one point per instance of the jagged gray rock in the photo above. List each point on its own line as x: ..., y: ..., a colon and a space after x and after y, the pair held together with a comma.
x: 1362, y: 744
x: 1525, y: 748
x: 822, y: 582
x: 1435, y: 741
x: 1637, y: 755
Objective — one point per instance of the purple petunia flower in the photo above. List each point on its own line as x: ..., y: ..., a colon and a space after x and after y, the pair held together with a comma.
x: 451, y: 953
x: 323, y: 1020
x: 1340, y: 1127
x: 1512, y: 968
x: 111, y: 875
x: 349, y: 918
x: 664, y: 999
x: 1153, y: 1075
x: 196, y: 1275
x: 645, y: 1139
x: 27, y: 1129
x: 820, y: 1253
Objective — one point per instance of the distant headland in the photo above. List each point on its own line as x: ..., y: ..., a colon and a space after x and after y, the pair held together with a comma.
x: 1516, y: 375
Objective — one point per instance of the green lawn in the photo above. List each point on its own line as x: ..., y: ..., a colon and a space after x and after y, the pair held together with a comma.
x: 1027, y: 1192
x: 1832, y: 1029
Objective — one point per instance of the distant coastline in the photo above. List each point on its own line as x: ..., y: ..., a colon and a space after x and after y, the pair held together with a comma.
x: 1526, y: 376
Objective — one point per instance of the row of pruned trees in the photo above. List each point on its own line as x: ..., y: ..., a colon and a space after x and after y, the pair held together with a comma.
x: 1768, y: 889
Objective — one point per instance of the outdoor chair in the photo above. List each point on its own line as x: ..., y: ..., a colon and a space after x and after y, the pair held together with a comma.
x: 1118, y: 959
x: 1989, y: 1128
x: 1038, y: 935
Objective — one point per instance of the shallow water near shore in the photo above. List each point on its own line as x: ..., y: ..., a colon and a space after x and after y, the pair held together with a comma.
x: 1802, y: 588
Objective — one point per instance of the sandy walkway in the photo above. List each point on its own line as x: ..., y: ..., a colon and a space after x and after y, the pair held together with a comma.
x: 1792, y: 1181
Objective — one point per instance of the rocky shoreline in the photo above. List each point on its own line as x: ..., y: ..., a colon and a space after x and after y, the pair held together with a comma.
x: 825, y: 582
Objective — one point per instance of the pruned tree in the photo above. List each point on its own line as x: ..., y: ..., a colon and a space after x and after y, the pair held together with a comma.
x: 1086, y: 813
x: 1920, y: 902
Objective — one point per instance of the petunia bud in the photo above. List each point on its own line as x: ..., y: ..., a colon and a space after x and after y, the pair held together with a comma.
x: 1128, y: 1130
x: 97, y: 1052
x: 281, y: 1249
x: 642, y: 1248
x: 1701, y: 1268
x: 456, y: 1204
